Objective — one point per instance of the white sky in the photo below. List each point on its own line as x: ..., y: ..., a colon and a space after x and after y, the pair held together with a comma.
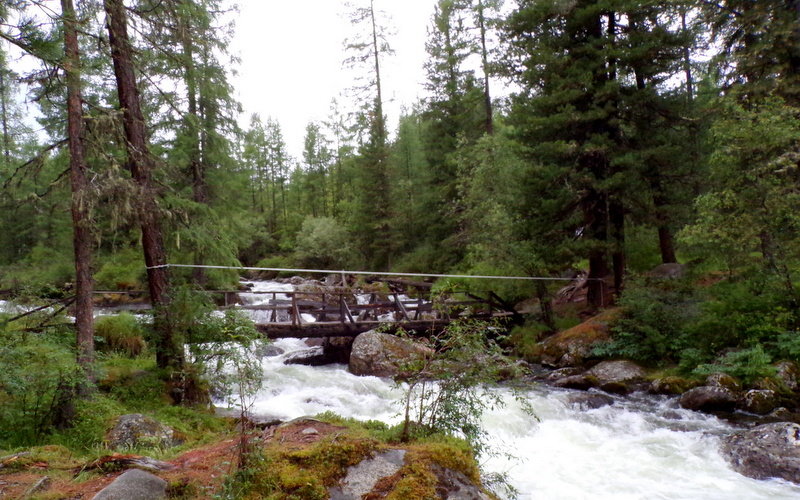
x: 291, y: 59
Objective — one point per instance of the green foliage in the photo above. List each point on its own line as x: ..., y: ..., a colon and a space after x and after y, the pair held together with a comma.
x: 277, y: 262
x: 323, y: 244
x: 653, y: 328
x: 44, y: 272
x: 449, y: 392
x: 123, y: 270
x: 122, y: 333
x: 748, y: 365
x: 37, y: 386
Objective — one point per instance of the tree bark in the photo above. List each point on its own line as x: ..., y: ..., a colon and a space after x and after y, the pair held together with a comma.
x: 81, y: 225
x: 487, y: 97
x: 141, y: 165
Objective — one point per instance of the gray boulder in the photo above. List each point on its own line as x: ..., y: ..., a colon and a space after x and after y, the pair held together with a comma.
x: 669, y: 271
x: 706, y: 398
x: 134, y: 484
x: 363, y: 477
x: 723, y: 380
x: 137, y: 430
x: 616, y: 376
x: 789, y: 374
x: 590, y: 400
x: 384, y: 355
x: 670, y: 385
x: 579, y: 382
x: 766, y: 451
x: 759, y: 401
x: 453, y: 485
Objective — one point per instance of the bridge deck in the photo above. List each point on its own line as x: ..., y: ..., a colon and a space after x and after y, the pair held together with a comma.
x: 347, y: 313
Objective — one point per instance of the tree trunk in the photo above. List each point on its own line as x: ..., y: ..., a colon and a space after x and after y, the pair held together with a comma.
x: 616, y: 215
x: 487, y: 97
x: 82, y: 236
x: 381, y: 126
x: 141, y: 164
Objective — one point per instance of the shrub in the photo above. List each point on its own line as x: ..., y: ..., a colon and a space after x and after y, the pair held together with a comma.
x: 122, y: 333
x: 653, y: 328
x: 37, y: 387
x: 124, y: 270
x: 749, y: 365
x: 323, y: 243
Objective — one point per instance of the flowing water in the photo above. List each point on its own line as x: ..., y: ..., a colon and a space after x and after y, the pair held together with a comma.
x: 641, y: 447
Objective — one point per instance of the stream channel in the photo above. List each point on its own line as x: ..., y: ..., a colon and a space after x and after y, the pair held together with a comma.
x: 640, y: 447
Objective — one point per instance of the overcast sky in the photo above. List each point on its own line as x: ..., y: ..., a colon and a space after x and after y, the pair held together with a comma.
x: 291, y: 59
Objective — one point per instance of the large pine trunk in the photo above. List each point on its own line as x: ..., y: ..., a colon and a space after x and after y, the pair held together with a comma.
x: 141, y: 165
x: 81, y: 226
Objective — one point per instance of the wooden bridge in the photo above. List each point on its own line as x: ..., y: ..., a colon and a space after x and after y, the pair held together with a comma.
x: 342, y: 313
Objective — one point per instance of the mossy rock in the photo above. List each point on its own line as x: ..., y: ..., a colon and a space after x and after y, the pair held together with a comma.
x: 573, y: 346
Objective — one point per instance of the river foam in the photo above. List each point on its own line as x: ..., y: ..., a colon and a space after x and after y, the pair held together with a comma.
x: 641, y: 447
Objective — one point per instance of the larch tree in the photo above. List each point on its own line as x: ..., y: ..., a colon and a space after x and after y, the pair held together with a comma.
x: 141, y: 164
x: 370, y: 214
x: 80, y: 204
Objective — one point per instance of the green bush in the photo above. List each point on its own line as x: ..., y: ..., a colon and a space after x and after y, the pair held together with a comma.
x: 277, y: 261
x: 121, y: 333
x: 748, y: 365
x: 123, y: 270
x: 653, y: 328
x: 37, y: 387
x: 323, y: 243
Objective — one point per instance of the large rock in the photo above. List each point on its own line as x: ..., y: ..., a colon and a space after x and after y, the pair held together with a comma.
x: 363, y: 477
x: 789, y: 374
x: 571, y: 347
x: 759, y: 401
x: 134, y: 484
x: 670, y: 385
x: 137, y: 430
x: 384, y: 355
x: 590, y: 400
x: 723, y: 380
x: 706, y: 398
x: 668, y: 271
x: 616, y: 376
x: 453, y: 485
x: 766, y: 451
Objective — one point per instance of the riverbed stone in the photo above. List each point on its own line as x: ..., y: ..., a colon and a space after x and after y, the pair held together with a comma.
x: 706, y: 398
x: 766, y: 451
x: 789, y: 374
x: 616, y: 376
x: 670, y: 385
x: 573, y: 346
x: 384, y: 355
x: 134, y: 484
x: 723, y: 380
x: 137, y: 430
x: 590, y: 400
x: 454, y: 485
x: 760, y: 401
x: 580, y: 382
x: 362, y: 478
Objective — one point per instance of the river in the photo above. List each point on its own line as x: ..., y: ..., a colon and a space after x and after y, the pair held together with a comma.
x: 640, y: 447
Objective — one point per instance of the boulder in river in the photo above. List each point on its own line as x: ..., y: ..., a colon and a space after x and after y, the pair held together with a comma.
x: 590, y: 400
x: 789, y: 374
x: 670, y: 385
x: 616, y: 376
x: 384, y: 355
x: 571, y: 347
x: 707, y: 398
x: 759, y: 401
x: 137, y: 430
x: 766, y: 451
x: 134, y: 484
x: 723, y: 380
